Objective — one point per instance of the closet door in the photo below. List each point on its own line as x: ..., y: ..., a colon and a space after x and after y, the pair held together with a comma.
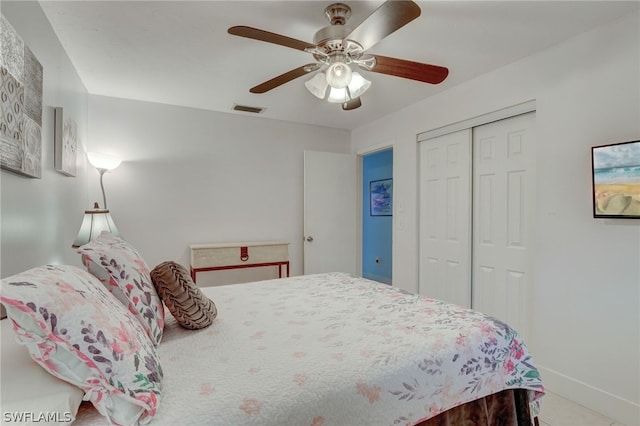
x: 445, y: 218
x: 503, y: 218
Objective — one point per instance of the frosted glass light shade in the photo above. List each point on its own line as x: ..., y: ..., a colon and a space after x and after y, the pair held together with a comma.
x: 103, y: 161
x: 358, y: 85
x: 339, y: 75
x: 338, y: 96
x: 317, y: 85
x: 93, y: 224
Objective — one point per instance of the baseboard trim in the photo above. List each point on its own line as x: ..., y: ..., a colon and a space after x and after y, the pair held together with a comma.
x: 379, y: 278
x: 615, y: 407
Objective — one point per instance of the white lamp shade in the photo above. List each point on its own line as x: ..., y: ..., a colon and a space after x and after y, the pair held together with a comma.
x: 338, y: 96
x: 103, y: 161
x: 94, y: 223
x: 358, y: 85
x: 339, y: 75
x: 317, y: 85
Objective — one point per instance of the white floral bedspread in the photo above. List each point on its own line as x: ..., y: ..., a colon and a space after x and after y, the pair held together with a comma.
x: 332, y: 349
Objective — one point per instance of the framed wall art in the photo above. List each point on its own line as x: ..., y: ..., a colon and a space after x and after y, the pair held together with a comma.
x: 66, y: 143
x: 21, y: 77
x: 381, y: 197
x: 616, y: 180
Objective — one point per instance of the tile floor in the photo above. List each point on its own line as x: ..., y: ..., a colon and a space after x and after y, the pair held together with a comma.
x: 558, y: 411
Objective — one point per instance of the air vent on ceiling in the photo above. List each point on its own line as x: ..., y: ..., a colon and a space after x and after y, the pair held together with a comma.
x: 245, y: 108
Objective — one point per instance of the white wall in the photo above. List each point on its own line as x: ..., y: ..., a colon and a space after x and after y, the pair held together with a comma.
x: 586, y: 300
x: 41, y: 217
x: 195, y: 176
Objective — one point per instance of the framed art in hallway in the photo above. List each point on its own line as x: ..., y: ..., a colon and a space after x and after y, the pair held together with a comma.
x: 616, y: 180
x: 381, y: 197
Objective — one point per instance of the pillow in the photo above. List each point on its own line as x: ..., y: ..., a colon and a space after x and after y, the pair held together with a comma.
x: 27, y: 388
x: 190, y: 307
x: 123, y: 271
x: 77, y: 331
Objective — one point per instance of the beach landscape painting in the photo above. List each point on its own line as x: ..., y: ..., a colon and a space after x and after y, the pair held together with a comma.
x: 616, y: 180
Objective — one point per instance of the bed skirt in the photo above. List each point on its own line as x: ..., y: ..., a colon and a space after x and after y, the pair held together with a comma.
x: 507, y: 408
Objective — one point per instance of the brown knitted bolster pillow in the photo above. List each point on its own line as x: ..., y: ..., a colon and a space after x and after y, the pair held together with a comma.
x: 190, y: 307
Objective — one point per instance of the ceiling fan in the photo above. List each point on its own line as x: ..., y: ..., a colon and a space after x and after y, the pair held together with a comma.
x: 336, y: 47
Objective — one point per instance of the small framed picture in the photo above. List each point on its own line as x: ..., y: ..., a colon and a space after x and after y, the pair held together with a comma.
x: 381, y: 197
x: 66, y: 143
x: 616, y: 180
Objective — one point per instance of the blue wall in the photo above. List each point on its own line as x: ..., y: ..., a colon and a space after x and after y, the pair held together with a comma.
x: 376, y: 230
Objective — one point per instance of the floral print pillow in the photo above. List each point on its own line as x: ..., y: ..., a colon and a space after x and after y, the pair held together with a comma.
x: 77, y: 331
x: 123, y: 271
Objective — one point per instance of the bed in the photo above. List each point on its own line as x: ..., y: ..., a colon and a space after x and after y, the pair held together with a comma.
x: 335, y: 349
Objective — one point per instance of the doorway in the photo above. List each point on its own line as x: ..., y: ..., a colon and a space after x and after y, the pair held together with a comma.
x: 330, y: 212
x: 377, y: 216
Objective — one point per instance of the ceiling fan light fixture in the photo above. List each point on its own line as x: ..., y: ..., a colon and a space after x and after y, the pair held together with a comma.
x: 317, y: 85
x: 339, y: 75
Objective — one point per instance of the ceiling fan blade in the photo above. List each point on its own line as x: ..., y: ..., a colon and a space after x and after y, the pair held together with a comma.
x: 352, y: 104
x: 261, y: 35
x: 284, y: 78
x: 426, y: 73
x: 386, y: 19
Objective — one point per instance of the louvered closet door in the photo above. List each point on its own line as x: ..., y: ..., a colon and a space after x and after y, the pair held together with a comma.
x: 503, y: 218
x: 445, y: 218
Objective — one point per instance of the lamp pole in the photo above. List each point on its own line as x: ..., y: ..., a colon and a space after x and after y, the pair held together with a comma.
x: 104, y: 197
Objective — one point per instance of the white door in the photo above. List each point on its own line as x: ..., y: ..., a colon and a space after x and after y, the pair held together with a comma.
x: 445, y: 218
x: 330, y: 212
x: 503, y: 214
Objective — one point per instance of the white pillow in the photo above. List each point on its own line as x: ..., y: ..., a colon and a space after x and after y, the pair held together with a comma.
x: 28, y: 388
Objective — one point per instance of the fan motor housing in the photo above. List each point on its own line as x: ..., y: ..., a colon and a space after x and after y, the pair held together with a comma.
x: 330, y: 34
x: 331, y: 41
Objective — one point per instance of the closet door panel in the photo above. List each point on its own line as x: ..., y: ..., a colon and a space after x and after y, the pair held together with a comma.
x: 504, y: 203
x: 445, y: 218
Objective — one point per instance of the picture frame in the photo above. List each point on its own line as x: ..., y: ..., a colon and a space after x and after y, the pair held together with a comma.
x: 66, y: 143
x: 21, y: 88
x: 615, y: 171
x: 381, y: 197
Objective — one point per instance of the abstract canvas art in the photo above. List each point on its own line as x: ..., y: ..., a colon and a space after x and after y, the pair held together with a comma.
x: 381, y: 197
x: 21, y: 77
x: 66, y: 143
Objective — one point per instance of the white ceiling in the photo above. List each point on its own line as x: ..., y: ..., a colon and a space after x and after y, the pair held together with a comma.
x: 179, y: 52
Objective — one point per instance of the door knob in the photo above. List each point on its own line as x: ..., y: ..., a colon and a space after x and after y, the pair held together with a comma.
x: 309, y: 239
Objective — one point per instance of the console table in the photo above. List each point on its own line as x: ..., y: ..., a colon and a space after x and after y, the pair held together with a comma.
x: 218, y: 256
